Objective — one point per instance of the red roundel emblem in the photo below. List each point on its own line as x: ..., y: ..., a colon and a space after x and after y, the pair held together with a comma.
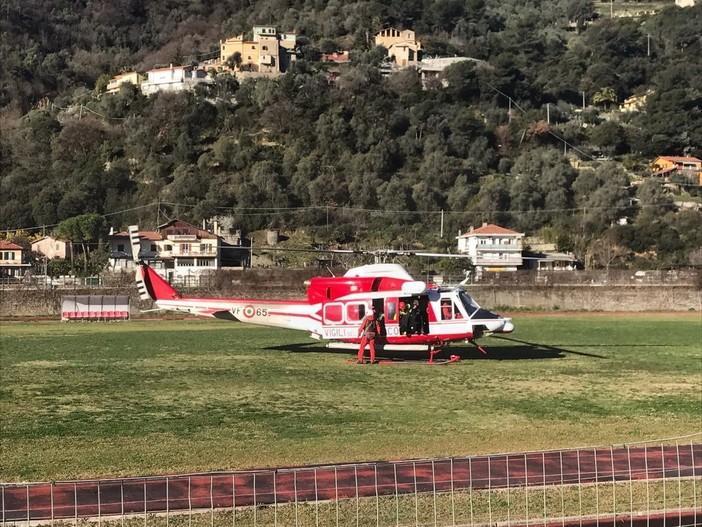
x: 249, y: 311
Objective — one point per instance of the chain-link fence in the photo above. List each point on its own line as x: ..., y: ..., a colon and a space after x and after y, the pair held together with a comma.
x: 657, y: 483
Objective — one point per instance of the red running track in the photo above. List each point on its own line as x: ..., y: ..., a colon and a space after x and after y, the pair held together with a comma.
x: 76, y: 499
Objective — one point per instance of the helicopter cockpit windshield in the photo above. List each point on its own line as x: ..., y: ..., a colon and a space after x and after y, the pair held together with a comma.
x: 468, y: 303
x: 473, y: 310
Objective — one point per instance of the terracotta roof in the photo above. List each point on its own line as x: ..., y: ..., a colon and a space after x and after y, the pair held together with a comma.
x: 677, y: 159
x: 490, y: 229
x: 4, y: 244
x: 144, y: 235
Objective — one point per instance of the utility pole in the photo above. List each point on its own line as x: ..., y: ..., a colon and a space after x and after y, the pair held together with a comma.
x: 509, y: 110
x: 611, y: 8
x: 548, y: 113
x: 648, y: 44
x: 583, y: 100
x: 442, y: 224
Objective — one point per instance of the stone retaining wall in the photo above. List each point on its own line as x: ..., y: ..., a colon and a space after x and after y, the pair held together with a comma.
x: 33, y: 302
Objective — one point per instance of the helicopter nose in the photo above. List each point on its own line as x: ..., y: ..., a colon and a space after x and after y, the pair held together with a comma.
x: 508, y: 327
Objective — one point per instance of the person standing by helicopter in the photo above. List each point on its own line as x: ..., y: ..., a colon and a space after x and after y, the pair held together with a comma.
x: 370, y: 328
x: 404, y: 318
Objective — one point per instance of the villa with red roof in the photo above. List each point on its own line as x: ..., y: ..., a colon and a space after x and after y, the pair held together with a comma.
x: 666, y: 165
x: 492, y: 248
x: 11, y: 260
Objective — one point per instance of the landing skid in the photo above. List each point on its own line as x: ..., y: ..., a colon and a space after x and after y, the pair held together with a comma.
x: 480, y: 348
x: 418, y: 362
x: 433, y: 350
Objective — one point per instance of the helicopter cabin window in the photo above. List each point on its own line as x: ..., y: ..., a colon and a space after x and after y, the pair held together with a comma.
x: 333, y: 313
x: 391, y: 308
x: 355, y: 312
x: 446, y: 310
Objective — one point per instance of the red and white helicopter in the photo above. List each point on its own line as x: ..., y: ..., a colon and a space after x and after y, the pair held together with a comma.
x: 336, y: 306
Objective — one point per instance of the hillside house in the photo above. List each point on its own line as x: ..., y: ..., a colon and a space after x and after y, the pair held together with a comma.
x: 51, y: 247
x: 175, y: 250
x: 402, y: 46
x: 270, y: 52
x: 116, y: 82
x: 120, y: 250
x: 173, y: 78
x: 492, y: 248
x: 433, y: 68
x: 12, y: 260
x: 665, y: 166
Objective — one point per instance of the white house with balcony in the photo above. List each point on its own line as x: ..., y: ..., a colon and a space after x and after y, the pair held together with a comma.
x: 173, y: 78
x: 187, y: 250
x: 176, y: 250
x: 121, y: 250
x: 492, y: 248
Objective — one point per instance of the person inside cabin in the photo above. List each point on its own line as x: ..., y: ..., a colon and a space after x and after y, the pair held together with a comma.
x: 404, y: 318
x: 370, y: 329
x: 446, y: 311
x: 415, y: 319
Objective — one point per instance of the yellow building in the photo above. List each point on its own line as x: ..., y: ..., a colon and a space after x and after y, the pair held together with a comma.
x: 666, y: 165
x: 116, y: 82
x: 268, y: 52
x: 402, y: 45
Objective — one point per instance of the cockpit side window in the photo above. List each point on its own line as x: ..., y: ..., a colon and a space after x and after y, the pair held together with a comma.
x: 469, y: 304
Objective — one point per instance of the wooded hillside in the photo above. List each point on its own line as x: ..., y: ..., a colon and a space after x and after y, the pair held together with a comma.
x: 365, y: 159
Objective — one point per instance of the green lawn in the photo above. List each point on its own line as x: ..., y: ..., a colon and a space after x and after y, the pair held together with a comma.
x: 93, y: 399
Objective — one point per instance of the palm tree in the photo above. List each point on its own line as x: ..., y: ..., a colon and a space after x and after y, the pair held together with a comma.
x: 604, y: 96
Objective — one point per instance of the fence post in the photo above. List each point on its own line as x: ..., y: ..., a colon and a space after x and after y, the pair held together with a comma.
x: 28, y: 515
x: 433, y: 483
x: 597, y: 484
x: 75, y: 501
x: 254, y: 500
x: 663, y: 474
x: 233, y: 500
x: 543, y: 472
x: 648, y: 496
x: 52, y: 503
x: 397, y: 497
x: 190, y: 502
x: 355, y: 475
x: 275, y: 501
x: 470, y: 487
x: 453, y: 500
x: 98, y: 504
x: 316, y: 499
x: 336, y: 494
x: 677, y: 451
x: 121, y: 500
x: 614, y: 483
x: 416, y: 497
x: 167, y: 503
x: 508, y: 489
x: 144, y: 502
x: 212, y: 501
x: 694, y: 482
x: 377, y: 497
x: 295, y: 488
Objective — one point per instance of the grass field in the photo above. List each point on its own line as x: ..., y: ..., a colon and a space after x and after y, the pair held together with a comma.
x: 88, y: 400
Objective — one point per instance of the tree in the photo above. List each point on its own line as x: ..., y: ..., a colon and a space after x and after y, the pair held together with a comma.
x: 85, y: 230
x: 604, y: 96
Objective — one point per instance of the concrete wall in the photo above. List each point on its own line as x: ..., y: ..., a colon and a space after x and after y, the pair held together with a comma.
x: 28, y: 302
x: 591, y: 297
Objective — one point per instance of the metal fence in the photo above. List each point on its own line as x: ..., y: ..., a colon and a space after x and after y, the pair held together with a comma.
x: 656, y: 483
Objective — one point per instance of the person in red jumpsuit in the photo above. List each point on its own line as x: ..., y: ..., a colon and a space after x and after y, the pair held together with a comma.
x: 370, y: 328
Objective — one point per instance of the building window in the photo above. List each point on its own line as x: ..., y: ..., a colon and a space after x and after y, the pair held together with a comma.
x: 120, y: 247
x: 167, y: 247
x: 186, y: 262
x: 153, y: 247
x: 265, y: 48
